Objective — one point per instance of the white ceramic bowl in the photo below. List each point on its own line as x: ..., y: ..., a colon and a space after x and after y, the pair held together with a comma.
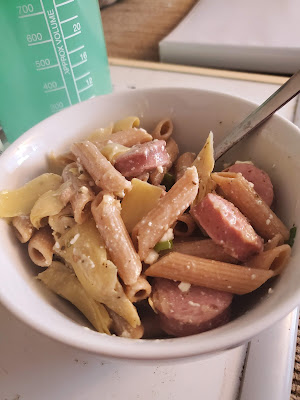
x: 274, y: 148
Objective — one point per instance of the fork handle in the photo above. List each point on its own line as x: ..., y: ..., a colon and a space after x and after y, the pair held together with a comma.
x: 277, y: 100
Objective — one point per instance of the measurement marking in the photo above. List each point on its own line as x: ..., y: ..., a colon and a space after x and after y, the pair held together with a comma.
x: 61, y: 73
x: 78, y: 48
x: 82, y: 76
x: 64, y: 3
x: 64, y: 40
x: 31, y: 15
x: 76, y: 65
x: 69, y: 19
x: 86, y: 88
x: 74, y: 34
x: 44, y: 41
x: 50, y: 66
x: 54, y: 90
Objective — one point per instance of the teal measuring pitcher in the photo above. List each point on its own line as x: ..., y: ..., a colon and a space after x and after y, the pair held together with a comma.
x: 53, y: 55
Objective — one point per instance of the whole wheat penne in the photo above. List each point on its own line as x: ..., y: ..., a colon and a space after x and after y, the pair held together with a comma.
x: 62, y: 281
x: 23, y: 228
x: 40, y: 247
x: 240, y: 192
x: 100, y: 169
x: 183, y: 162
x: 277, y: 240
x: 163, y: 129
x: 275, y: 259
x: 209, y: 273
x: 126, y: 123
x: 204, y: 163
x: 127, y: 138
x: 204, y: 248
x: 138, y: 291
x: 184, y: 226
x: 152, y: 227
x: 122, y: 328
x: 158, y: 174
x: 107, y: 215
x: 82, y: 192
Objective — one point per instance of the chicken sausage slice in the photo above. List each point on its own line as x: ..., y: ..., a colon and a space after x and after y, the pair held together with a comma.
x: 185, y: 309
x: 227, y: 226
x: 143, y: 158
x: 260, y: 179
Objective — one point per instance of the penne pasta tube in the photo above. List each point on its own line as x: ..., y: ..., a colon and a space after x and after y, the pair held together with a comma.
x: 163, y: 130
x: 184, y: 226
x: 274, y: 259
x: 40, y: 247
x: 83, y: 248
x: 107, y: 215
x: 158, y: 174
x: 126, y: 123
x: 100, y: 169
x: 20, y: 201
x: 56, y: 164
x: 152, y: 227
x: 82, y: 192
x: 205, y: 163
x: 139, y: 290
x: 183, y: 162
x: 240, y: 192
x: 127, y: 138
x: 209, y: 273
x: 204, y: 248
x: 122, y: 328
x: 23, y: 228
x: 62, y: 281
x: 277, y: 240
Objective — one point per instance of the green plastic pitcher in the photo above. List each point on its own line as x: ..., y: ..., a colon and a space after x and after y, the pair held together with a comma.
x: 53, y: 55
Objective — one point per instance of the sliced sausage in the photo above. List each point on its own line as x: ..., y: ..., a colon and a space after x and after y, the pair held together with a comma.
x: 260, y: 179
x: 227, y: 226
x: 191, y: 311
x: 143, y: 158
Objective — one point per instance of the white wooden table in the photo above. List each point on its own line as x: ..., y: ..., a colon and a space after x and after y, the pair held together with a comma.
x: 34, y: 367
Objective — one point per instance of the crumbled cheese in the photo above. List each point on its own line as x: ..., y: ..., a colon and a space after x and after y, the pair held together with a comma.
x: 83, y: 189
x: 251, y: 184
x: 188, y: 266
x: 244, y: 162
x: 167, y: 236
x: 152, y: 257
x: 160, y: 169
x: 253, y: 276
x: 270, y: 290
x: 184, y: 286
x: 268, y: 221
x: 229, y: 287
x: 149, y: 223
x: 57, y: 245
x: 191, y: 303
x: 274, y: 165
x: 271, y: 216
x: 75, y: 238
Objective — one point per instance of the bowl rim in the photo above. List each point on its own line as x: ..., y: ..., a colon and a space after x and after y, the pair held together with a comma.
x: 148, y: 349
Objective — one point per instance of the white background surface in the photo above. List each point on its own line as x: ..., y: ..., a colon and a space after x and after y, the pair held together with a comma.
x: 33, y: 367
x: 248, y: 35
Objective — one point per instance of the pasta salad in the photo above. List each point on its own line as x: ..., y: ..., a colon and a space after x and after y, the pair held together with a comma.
x: 145, y: 242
